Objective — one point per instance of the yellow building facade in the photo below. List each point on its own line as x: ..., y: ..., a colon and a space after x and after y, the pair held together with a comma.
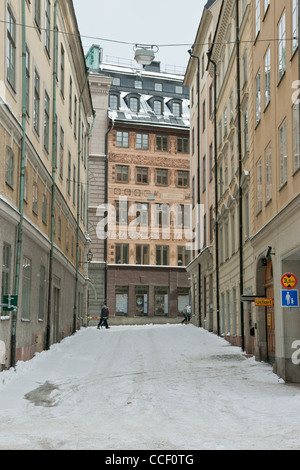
x: 44, y: 130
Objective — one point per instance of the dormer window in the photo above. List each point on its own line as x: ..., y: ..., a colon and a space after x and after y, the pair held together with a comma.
x: 157, y: 107
x: 134, y: 104
x: 176, y: 109
x: 114, y: 102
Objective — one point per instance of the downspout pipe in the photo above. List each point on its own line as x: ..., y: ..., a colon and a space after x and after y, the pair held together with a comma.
x: 21, y: 200
x: 216, y: 192
x: 106, y: 205
x: 53, y: 189
x: 78, y: 209
x: 240, y: 174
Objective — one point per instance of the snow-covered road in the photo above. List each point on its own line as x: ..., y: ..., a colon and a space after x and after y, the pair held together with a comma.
x: 169, y: 387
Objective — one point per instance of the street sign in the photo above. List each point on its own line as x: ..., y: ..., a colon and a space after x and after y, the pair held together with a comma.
x: 290, y: 298
x: 289, y: 281
x: 264, y: 302
x: 10, y: 303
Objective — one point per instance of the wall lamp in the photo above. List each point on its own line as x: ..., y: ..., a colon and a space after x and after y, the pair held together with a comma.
x: 89, y: 257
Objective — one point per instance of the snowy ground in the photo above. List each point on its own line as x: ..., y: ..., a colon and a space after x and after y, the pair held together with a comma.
x: 171, y: 387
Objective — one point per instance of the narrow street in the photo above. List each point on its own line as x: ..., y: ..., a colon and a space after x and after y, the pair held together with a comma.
x: 172, y: 387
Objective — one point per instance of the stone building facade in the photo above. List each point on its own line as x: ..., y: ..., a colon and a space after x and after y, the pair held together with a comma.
x: 148, y: 188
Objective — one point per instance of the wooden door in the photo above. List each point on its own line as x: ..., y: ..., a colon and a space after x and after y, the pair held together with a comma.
x: 270, y: 317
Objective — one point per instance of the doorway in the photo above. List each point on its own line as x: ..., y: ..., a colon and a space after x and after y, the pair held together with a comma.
x: 270, y: 316
x: 56, y: 293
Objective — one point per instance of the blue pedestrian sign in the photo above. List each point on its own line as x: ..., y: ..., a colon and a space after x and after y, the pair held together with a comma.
x: 290, y: 298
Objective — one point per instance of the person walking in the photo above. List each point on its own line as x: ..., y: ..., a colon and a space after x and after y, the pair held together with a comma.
x: 104, y: 317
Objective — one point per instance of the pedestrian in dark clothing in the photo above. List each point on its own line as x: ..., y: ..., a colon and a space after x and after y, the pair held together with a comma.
x: 104, y: 317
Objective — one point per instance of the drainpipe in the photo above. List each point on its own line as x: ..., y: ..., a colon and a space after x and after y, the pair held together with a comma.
x: 216, y: 191
x: 78, y: 209
x: 21, y: 200
x: 54, y: 157
x: 240, y: 175
x: 106, y: 203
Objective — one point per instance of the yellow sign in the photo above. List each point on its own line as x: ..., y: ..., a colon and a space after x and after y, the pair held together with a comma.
x: 289, y: 281
x: 264, y: 302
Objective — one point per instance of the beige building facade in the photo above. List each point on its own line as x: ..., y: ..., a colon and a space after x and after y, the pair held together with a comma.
x: 276, y: 179
x: 44, y: 129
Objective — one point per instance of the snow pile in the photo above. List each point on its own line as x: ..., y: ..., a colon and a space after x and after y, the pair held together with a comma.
x: 158, y: 387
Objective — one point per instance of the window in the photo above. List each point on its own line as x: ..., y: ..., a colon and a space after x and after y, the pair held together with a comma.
x: 75, y: 116
x: 69, y: 174
x: 35, y: 194
x: 295, y: 6
x: 142, y: 213
x: 162, y: 177
x: 121, y: 300
x: 37, y: 13
x: 157, y: 107
x: 44, y: 209
x: 138, y: 84
x: 62, y: 70
x: 122, y: 139
x: 257, y: 17
x: 122, y: 212
x: 258, y: 98
x: 47, y: 26
x: 142, y: 254
x: 122, y: 254
x: 162, y: 143
x: 9, y: 167
x: 268, y: 166
x: 162, y: 255
x: 179, y: 90
x: 141, y: 300
x: 70, y: 99
x: 176, y: 109
x: 259, y: 186
x: 296, y: 137
x: 26, y: 288
x: 134, y: 104
x: 11, y: 49
x: 161, y: 301
x: 283, y: 153
x: 183, y: 145
x: 281, y: 47
x: 267, y: 61
x: 183, y: 256
x: 158, y: 86
x: 116, y: 81
x: 61, y: 153
x: 46, y: 121
x: 113, y: 101
x: 232, y: 217
x: 122, y: 173
x: 6, y: 267
x: 204, y: 174
x: 142, y: 175
x: 246, y: 215
x: 142, y: 141
x: 74, y: 185
x: 27, y: 81
x: 42, y: 291
x: 36, y: 102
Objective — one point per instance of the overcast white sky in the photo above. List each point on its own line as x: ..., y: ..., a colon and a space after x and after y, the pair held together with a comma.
x: 156, y: 22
